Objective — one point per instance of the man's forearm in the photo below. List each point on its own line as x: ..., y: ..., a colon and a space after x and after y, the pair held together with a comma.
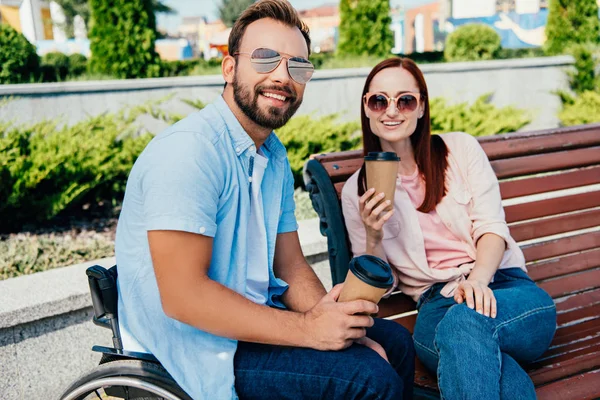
x: 214, y: 308
x: 305, y: 289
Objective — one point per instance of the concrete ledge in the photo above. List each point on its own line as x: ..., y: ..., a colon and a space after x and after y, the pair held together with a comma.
x: 217, y: 80
x: 59, y: 291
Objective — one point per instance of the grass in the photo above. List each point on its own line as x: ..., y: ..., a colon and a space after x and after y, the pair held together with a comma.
x: 26, y: 253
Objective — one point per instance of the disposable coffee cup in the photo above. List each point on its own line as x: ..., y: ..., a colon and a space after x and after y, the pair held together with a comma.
x: 368, y: 278
x: 382, y: 169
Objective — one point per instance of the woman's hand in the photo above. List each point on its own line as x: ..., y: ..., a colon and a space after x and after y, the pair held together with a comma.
x: 478, y: 297
x: 373, y: 215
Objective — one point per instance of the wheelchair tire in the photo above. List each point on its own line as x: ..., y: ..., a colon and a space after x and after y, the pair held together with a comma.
x: 135, y: 379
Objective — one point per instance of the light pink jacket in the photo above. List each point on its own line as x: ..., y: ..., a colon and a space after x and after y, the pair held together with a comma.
x: 471, y: 208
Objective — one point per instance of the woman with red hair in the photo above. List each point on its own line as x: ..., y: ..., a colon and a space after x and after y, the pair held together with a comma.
x: 447, y: 240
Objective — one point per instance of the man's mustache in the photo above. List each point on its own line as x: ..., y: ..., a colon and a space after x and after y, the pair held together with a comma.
x: 291, y: 94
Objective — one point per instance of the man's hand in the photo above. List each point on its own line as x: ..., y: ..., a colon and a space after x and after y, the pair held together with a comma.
x: 478, y: 297
x: 373, y: 345
x: 330, y: 325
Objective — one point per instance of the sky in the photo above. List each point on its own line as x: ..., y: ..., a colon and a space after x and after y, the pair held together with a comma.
x: 209, y: 8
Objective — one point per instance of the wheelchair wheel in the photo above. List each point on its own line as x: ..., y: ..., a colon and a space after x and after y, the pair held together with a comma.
x: 128, y: 380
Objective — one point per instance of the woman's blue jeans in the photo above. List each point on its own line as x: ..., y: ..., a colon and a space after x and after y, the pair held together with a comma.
x: 477, y: 357
x: 276, y: 372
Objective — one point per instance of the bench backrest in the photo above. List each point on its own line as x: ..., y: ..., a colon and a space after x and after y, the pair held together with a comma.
x: 550, y: 185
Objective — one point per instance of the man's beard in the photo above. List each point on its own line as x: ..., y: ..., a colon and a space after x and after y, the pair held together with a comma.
x: 275, y: 117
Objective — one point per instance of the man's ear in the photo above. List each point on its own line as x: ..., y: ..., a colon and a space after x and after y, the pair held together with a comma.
x: 228, y: 68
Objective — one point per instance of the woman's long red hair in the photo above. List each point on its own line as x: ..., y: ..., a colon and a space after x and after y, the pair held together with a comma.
x: 430, y: 151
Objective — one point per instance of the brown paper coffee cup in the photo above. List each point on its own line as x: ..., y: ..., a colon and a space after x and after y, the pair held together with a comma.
x: 368, y: 278
x: 382, y: 169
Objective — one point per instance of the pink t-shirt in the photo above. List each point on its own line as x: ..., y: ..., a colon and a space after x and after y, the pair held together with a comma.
x: 442, y: 248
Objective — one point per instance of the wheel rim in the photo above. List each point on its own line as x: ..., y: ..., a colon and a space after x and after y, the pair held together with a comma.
x: 119, y: 381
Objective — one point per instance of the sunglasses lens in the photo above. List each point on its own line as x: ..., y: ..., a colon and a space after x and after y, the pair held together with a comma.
x: 265, y: 60
x: 377, y: 103
x: 300, y: 69
x: 407, y: 103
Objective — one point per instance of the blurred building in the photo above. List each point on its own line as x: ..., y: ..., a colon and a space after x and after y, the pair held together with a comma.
x: 206, y: 38
x: 520, y: 23
x: 30, y: 17
x: 323, y: 23
x: 174, y: 49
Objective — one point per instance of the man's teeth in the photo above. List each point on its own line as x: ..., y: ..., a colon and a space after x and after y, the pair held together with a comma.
x: 392, y: 123
x: 275, y: 96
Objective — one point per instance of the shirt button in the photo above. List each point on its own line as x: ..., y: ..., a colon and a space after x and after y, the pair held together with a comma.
x: 250, y: 179
x: 202, y: 230
x: 237, y: 149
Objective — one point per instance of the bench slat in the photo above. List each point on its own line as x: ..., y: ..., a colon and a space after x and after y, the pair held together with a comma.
x: 564, y: 366
x: 575, y: 346
x: 569, y: 334
x: 543, y: 184
x: 341, y: 170
x: 338, y: 188
x: 564, y: 265
x: 579, y: 300
x: 340, y: 155
x: 397, y: 303
x: 555, y: 224
x: 571, y: 284
x: 559, y: 247
x: 581, y: 386
x: 524, y: 143
x: 407, y: 321
x: 557, y: 205
x: 581, y: 314
x: 508, y: 168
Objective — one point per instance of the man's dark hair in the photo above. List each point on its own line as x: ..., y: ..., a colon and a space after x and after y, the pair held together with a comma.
x: 279, y: 10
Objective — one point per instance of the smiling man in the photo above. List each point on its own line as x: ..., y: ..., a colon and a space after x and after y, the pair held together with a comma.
x: 212, y: 280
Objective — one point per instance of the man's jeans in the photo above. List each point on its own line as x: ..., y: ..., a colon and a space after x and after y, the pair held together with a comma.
x: 277, y: 372
x: 477, y: 357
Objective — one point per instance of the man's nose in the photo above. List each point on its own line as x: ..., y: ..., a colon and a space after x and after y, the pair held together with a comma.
x: 281, y: 74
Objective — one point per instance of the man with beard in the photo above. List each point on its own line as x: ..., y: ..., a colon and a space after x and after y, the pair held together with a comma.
x: 212, y: 280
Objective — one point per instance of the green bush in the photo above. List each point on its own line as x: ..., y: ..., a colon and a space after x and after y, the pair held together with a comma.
x: 180, y: 67
x: 528, y: 52
x: 55, y: 67
x: 571, y: 22
x: 303, y: 136
x: 19, y: 61
x: 478, y: 119
x: 584, y: 109
x: 122, y: 37
x: 472, y: 42
x: 365, y: 28
x: 583, y: 78
x: 77, y: 64
x: 45, y: 167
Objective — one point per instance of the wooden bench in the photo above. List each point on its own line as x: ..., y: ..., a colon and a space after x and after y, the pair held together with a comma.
x: 558, y: 232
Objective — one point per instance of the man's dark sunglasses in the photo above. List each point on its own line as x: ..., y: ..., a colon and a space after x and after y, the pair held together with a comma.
x: 266, y: 60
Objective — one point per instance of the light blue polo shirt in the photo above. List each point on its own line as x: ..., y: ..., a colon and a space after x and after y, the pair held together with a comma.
x: 195, y: 177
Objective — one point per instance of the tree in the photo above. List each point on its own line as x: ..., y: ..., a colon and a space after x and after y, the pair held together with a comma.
x: 18, y: 60
x: 122, y: 39
x: 230, y: 10
x: 571, y: 22
x: 72, y: 8
x: 365, y: 28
